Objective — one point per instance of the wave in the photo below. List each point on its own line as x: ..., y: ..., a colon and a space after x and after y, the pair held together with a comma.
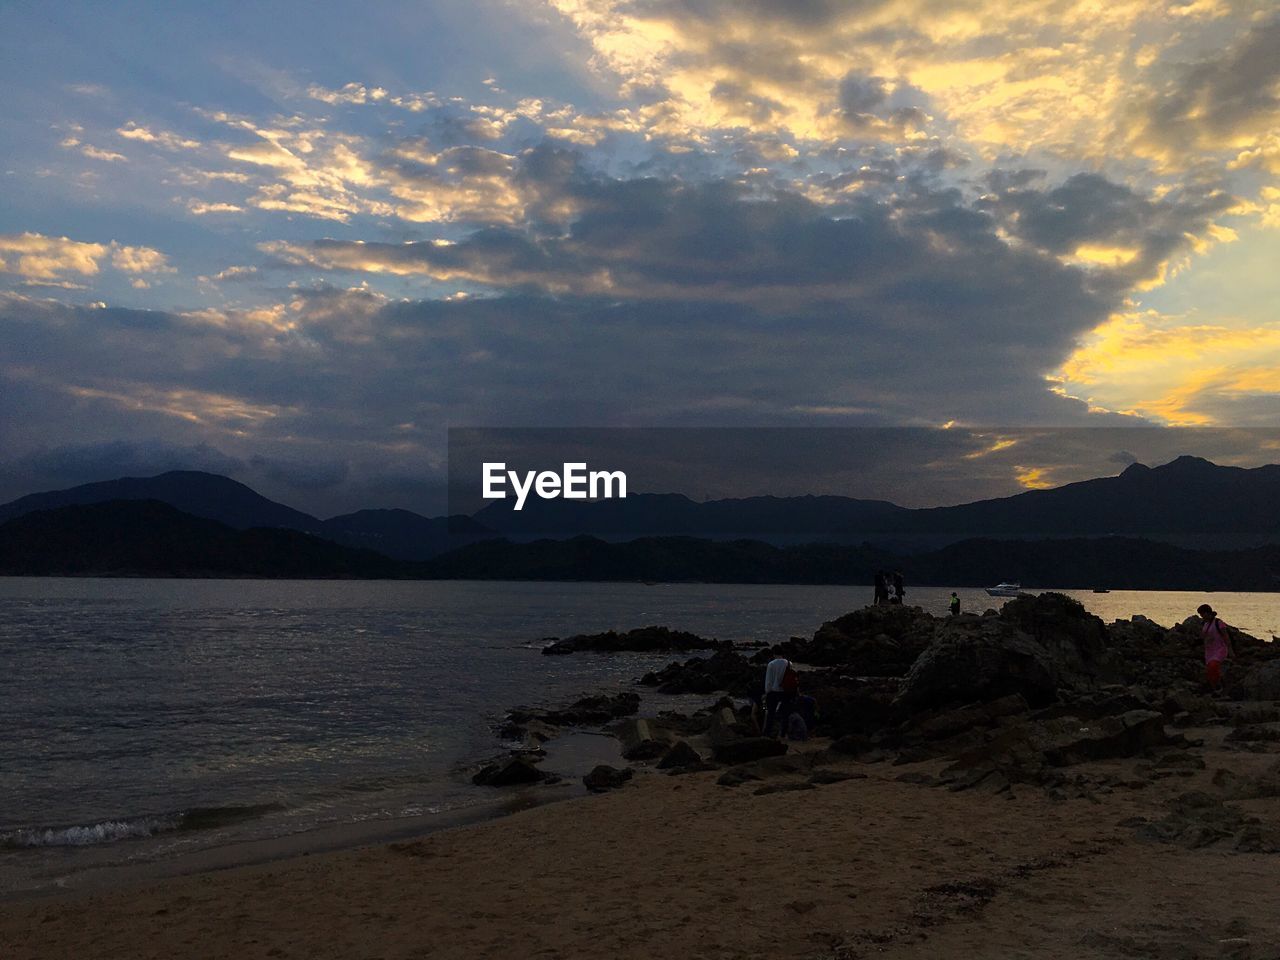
x: 133, y: 828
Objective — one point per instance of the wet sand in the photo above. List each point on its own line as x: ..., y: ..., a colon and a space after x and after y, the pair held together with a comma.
x: 677, y: 866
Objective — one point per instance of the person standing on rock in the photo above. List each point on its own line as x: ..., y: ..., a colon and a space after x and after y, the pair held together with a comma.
x: 774, y: 692
x: 1217, y: 645
x: 882, y: 588
x: 899, y: 587
x: 954, y: 604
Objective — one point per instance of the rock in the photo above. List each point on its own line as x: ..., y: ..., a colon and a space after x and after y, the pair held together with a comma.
x: 643, y: 640
x: 949, y: 723
x: 508, y: 773
x: 782, y: 788
x: 747, y: 749
x: 737, y: 776
x: 589, y: 711
x: 1262, y: 682
x: 726, y: 669
x: 881, y: 641
x: 1025, y: 751
x: 680, y: 755
x: 964, y: 666
x: 646, y: 750
x: 825, y: 776
x: 1198, y: 819
x: 1077, y: 641
x: 726, y: 726
x: 1255, y: 732
x: 605, y: 777
x: 1037, y: 646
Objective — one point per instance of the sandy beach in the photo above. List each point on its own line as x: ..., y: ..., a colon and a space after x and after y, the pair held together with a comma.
x: 883, y: 864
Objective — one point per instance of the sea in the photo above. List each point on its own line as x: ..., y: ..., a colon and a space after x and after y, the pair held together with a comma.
x: 153, y: 727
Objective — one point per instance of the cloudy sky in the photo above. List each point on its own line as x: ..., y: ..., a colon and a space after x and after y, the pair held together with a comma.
x: 296, y: 242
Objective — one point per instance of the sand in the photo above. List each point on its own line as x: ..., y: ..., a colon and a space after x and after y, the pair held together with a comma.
x: 680, y: 867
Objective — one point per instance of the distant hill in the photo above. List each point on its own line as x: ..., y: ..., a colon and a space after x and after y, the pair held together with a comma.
x: 1190, y: 502
x: 150, y: 538
x: 1189, y: 497
x: 199, y: 494
x: 400, y: 534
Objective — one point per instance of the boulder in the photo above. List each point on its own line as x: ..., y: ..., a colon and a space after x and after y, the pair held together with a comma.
x: 510, y: 772
x: 726, y: 669
x: 967, y: 666
x: 605, y: 777
x: 939, y: 726
x: 1076, y: 640
x: 880, y: 641
x: 747, y: 749
x: 680, y: 755
x: 1262, y: 682
x: 1024, y: 751
x: 646, y: 750
x: 642, y: 640
x: 589, y: 711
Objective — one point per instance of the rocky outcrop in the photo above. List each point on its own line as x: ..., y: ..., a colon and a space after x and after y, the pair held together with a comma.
x: 1262, y: 682
x: 1023, y: 751
x: 605, y: 777
x: 1036, y: 647
x: 587, y: 712
x: 725, y: 670
x: 877, y: 641
x: 680, y: 756
x: 641, y: 640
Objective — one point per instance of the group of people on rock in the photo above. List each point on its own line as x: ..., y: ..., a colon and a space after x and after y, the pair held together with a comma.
x: 782, y: 710
x: 889, y: 587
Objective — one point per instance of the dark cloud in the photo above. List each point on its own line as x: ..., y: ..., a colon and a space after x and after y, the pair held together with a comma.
x: 1088, y: 209
x: 1235, y: 91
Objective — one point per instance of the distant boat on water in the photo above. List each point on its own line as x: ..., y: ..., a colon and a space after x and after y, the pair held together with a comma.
x: 1005, y: 589
x: 1101, y: 590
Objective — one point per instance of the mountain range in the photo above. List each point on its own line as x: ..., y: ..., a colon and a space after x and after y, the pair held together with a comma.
x: 1186, y: 520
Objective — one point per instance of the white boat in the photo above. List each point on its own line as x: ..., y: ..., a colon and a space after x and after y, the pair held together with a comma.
x: 1005, y: 589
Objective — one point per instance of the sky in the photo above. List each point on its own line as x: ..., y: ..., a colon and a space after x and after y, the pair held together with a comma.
x: 297, y: 242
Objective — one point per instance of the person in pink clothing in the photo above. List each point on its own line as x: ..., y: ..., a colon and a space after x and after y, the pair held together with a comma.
x: 1217, y: 645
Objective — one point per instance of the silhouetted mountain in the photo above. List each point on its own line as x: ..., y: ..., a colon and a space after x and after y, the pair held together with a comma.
x: 1116, y: 562
x: 199, y: 494
x: 1190, y: 502
x: 1188, y: 499
x: 397, y: 533
x: 403, y: 534
x: 150, y: 538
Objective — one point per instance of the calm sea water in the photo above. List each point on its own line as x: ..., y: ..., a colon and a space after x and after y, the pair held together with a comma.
x: 141, y: 720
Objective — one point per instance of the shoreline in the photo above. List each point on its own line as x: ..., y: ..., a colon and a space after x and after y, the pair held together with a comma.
x: 883, y: 864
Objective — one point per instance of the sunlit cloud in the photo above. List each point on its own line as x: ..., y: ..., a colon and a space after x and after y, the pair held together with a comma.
x: 161, y: 138
x: 1176, y: 372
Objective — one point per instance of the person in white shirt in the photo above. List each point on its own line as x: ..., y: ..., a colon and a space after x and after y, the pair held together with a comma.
x: 773, y: 692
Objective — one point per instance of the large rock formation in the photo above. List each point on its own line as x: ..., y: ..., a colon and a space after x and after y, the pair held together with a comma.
x: 878, y: 641
x: 1035, y: 647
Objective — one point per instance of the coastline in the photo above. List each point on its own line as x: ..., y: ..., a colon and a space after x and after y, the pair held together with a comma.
x: 1023, y: 783
x: 884, y: 865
